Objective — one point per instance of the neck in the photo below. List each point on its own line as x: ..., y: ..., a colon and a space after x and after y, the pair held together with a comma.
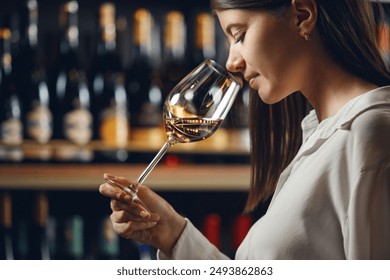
x: 331, y: 87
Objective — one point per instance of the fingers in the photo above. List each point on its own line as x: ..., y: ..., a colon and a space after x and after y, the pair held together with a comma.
x: 115, y: 188
x: 132, y: 229
x: 129, y: 225
x: 123, y: 201
x: 121, y: 180
x: 113, y: 192
x: 131, y: 211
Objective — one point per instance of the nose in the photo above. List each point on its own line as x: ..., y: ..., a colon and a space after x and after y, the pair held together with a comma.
x: 235, y: 63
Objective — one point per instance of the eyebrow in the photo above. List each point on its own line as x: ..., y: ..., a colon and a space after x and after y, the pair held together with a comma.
x: 230, y: 26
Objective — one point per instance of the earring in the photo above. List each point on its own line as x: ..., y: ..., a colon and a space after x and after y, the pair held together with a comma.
x: 306, y: 36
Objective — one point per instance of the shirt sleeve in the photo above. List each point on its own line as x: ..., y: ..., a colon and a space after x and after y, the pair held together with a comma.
x: 368, y: 224
x: 368, y: 215
x: 193, y: 245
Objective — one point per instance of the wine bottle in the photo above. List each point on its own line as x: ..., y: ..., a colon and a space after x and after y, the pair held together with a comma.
x: 11, y: 124
x: 139, y: 79
x: 6, y: 244
x: 143, y: 79
x: 38, y: 237
x: 109, y: 94
x: 212, y: 229
x: 241, y: 226
x: 174, y: 65
x: 151, y: 109
x: 204, y: 39
x: 108, y: 243
x: 71, y: 238
x: 21, y: 214
x: 73, y: 117
x: 32, y: 81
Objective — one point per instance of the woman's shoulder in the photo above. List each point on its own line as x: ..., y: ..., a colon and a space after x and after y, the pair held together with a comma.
x: 373, y: 122
x: 370, y: 116
x: 369, y: 137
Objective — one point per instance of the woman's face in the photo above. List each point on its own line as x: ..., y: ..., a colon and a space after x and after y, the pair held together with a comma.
x: 266, y: 49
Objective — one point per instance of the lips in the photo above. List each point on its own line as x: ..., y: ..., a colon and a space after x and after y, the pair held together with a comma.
x: 251, y: 80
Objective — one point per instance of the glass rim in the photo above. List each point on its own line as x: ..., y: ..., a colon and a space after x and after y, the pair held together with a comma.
x: 219, y: 68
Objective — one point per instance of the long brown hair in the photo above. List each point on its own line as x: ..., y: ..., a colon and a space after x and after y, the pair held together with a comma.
x: 347, y: 29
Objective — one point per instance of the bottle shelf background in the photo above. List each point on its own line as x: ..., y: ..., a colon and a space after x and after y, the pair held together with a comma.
x: 198, y: 179
x: 88, y: 20
x: 209, y: 177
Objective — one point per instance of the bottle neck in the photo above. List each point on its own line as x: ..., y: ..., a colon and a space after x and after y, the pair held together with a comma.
x: 107, y: 28
x: 26, y: 53
x: 69, y: 27
x: 28, y: 25
x: 41, y: 209
x: 5, y: 50
x: 70, y: 40
x: 108, y: 45
x: 6, y: 211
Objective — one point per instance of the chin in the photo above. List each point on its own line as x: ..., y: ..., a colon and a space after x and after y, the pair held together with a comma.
x: 270, y: 97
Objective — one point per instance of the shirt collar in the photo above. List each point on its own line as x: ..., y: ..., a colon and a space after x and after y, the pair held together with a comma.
x: 345, y: 116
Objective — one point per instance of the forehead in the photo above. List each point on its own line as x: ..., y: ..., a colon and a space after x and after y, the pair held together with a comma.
x: 238, y: 17
x: 231, y: 15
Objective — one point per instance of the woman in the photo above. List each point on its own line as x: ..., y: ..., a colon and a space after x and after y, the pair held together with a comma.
x: 330, y: 198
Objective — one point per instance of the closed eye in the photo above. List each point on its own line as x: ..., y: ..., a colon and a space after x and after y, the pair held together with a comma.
x: 239, y: 37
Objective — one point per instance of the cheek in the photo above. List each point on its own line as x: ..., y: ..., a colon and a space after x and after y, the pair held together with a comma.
x: 280, y: 71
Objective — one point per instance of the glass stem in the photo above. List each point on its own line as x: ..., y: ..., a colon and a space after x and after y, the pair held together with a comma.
x: 154, y: 162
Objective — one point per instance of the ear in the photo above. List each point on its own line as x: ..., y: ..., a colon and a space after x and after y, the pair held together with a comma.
x: 305, y: 13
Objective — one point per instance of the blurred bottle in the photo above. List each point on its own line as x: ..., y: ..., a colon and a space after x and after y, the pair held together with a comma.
x: 22, y: 209
x: 6, y: 243
x: 212, y: 229
x: 71, y: 104
x: 204, y: 39
x: 383, y: 36
x: 112, y: 119
x: 32, y: 82
x: 11, y: 123
x: 70, y: 241
x: 108, y: 242
x: 38, y: 237
x: 143, y: 79
x: 174, y: 63
x: 241, y: 226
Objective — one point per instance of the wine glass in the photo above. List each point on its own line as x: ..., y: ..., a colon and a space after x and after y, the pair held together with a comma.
x: 193, y: 111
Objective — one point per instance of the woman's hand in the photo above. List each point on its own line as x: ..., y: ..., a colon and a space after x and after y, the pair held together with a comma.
x: 161, y: 228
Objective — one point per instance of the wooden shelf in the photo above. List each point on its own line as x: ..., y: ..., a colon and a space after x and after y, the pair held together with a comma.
x: 182, y: 177
x: 224, y: 141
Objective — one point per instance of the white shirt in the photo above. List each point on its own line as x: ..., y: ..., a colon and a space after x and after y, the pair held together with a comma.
x: 332, y: 201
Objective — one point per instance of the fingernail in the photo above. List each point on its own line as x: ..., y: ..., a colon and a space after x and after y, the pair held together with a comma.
x: 144, y: 214
x: 109, y: 176
x: 152, y: 224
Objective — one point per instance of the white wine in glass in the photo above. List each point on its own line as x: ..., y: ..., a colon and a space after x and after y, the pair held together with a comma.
x: 193, y: 111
